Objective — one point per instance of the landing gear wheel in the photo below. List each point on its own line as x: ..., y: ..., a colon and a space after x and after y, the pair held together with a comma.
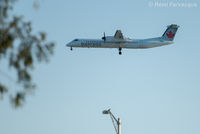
x: 71, y: 49
x: 120, y: 51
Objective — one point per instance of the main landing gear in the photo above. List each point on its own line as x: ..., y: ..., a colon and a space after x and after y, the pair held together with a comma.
x: 120, y: 51
x: 71, y: 48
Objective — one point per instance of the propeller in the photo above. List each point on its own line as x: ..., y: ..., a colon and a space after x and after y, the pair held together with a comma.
x: 104, y: 37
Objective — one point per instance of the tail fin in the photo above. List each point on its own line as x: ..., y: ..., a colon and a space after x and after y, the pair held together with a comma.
x: 170, y: 32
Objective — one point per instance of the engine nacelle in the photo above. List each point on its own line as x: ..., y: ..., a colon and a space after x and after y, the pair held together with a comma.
x: 113, y: 39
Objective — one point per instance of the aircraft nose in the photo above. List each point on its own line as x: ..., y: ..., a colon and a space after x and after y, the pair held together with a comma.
x: 69, y: 44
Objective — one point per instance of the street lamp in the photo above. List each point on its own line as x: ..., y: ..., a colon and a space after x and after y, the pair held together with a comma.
x: 116, y: 122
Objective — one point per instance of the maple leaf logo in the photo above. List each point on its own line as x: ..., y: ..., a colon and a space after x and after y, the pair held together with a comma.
x: 170, y: 34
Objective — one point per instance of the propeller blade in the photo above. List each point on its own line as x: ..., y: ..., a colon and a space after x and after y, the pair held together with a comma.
x: 104, y: 37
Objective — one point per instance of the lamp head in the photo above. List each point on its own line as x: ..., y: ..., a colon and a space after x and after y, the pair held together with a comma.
x: 106, y: 111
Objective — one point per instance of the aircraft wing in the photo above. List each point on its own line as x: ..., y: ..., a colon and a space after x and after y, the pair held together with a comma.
x: 118, y: 35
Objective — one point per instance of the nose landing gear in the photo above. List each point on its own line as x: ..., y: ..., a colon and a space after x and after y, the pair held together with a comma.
x: 120, y: 51
x: 71, y: 48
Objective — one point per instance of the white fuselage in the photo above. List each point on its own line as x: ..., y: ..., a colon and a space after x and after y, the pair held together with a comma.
x: 120, y: 43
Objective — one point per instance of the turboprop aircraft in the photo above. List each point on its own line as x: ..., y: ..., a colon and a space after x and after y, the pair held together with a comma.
x: 119, y: 41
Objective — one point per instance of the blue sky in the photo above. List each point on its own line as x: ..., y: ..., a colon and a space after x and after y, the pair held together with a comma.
x: 153, y: 91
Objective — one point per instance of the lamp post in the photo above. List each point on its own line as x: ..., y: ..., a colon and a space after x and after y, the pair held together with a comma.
x: 116, y: 122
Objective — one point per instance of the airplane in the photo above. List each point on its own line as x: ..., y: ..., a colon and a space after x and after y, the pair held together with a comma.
x: 119, y: 41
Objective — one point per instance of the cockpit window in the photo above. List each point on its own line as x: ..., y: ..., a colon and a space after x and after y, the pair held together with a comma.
x: 76, y: 40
